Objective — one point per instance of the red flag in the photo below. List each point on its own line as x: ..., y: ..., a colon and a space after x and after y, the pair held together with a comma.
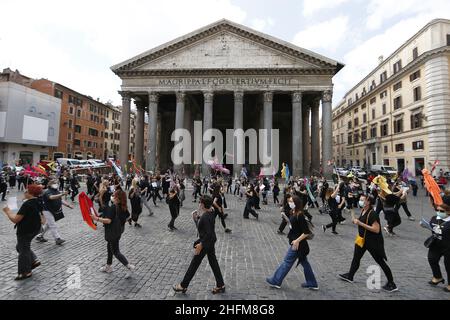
x: 86, y: 207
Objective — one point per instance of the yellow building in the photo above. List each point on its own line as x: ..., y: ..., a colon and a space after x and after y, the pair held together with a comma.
x: 399, y: 114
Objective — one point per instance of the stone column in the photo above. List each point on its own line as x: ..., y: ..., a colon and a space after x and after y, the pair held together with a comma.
x: 158, y: 139
x: 139, y: 145
x: 315, y: 137
x: 150, y: 164
x: 297, y: 135
x: 207, y: 123
x: 179, y: 120
x: 327, y: 135
x: 268, y: 118
x: 125, y: 129
x: 238, y: 124
x: 306, y: 140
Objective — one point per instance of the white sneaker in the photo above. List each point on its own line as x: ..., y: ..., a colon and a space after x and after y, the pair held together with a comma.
x: 130, y: 271
x: 106, y: 269
x: 411, y: 218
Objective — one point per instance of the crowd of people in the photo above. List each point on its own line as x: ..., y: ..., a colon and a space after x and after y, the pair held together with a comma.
x: 295, y: 197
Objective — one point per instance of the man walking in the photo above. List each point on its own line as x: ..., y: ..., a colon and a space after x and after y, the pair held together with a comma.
x: 205, y: 245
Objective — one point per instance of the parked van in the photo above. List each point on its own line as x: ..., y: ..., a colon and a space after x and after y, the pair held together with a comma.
x: 382, y: 169
x: 71, y: 163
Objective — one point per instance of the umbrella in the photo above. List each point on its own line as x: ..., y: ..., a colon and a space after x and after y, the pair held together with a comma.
x: 87, y: 207
x: 432, y: 187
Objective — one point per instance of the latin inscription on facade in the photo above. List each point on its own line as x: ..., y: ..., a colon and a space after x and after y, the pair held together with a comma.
x: 224, y: 81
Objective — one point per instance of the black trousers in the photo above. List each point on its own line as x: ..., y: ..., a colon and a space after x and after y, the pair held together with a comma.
x: 174, y: 214
x: 229, y: 188
x: 236, y: 190
x: 3, y: 189
x: 249, y: 210
x: 393, y: 219
x: 74, y: 193
x: 275, y: 198
x: 113, y: 250
x: 195, y: 263
x: 197, y: 191
x: 434, y: 256
x: 357, y: 256
x: 26, y: 255
x: 334, y: 222
x: 222, y: 219
x: 404, y: 205
x: 283, y: 225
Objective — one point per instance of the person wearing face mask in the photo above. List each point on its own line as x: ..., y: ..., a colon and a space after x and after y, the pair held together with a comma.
x: 440, y: 244
x: 204, y: 246
x: 113, y: 219
x: 298, y: 248
x: 369, y: 238
x: 27, y: 221
x: 53, y: 212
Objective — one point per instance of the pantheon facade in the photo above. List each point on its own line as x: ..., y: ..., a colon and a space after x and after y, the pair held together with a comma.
x: 230, y: 77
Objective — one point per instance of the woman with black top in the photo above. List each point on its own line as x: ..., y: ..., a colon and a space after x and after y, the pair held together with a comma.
x: 218, y: 207
x: 28, y: 221
x: 174, y: 206
x: 440, y: 245
x: 114, y: 218
x: 323, y: 190
x: 12, y: 178
x: 331, y: 207
x: 369, y: 238
x: 136, y: 205
x: 285, y: 211
x: 276, y: 192
x: 298, y: 248
x: 74, y: 186
x: 250, y: 193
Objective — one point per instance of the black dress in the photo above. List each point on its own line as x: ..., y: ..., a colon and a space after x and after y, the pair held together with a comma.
x: 136, y: 205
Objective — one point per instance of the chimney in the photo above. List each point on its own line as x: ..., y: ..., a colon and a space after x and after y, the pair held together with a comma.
x: 380, y: 60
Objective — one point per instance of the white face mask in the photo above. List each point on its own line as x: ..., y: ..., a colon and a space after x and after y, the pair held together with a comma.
x: 442, y: 215
x: 361, y: 203
x: 54, y: 186
x: 291, y: 205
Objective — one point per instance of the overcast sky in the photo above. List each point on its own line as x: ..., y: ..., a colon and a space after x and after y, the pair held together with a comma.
x: 76, y: 42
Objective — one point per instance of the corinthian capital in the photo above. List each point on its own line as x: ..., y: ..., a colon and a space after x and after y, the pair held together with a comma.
x: 208, y: 96
x: 126, y: 95
x: 153, y: 97
x: 238, y: 96
x: 180, y: 96
x: 297, y: 96
x: 327, y: 96
x: 268, y: 96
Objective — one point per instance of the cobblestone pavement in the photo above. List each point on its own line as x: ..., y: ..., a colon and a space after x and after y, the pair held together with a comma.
x: 246, y: 256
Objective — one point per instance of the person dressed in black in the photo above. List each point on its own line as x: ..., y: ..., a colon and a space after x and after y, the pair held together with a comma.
x: 276, y: 192
x: 331, y: 207
x: 128, y: 182
x: 229, y: 184
x: 90, y: 184
x: 28, y: 221
x: 250, y: 204
x: 323, y: 190
x: 74, y: 186
x: 218, y: 207
x: 114, y: 218
x: 3, y: 185
x: 155, y: 190
x: 285, y: 211
x: 136, y: 205
x: 12, y: 178
x: 440, y: 244
x: 197, y: 184
x: 298, y: 248
x: 174, y: 206
x: 205, y: 245
x: 370, y: 238
x: 390, y: 208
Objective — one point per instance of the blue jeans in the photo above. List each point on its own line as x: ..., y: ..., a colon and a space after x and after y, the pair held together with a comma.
x: 286, y: 265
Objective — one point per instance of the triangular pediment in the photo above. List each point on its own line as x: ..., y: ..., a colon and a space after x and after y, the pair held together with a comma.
x: 225, y: 50
x: 226, y: 45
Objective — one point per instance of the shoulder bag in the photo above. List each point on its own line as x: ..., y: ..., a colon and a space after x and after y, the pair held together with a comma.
x: 360, y: 241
